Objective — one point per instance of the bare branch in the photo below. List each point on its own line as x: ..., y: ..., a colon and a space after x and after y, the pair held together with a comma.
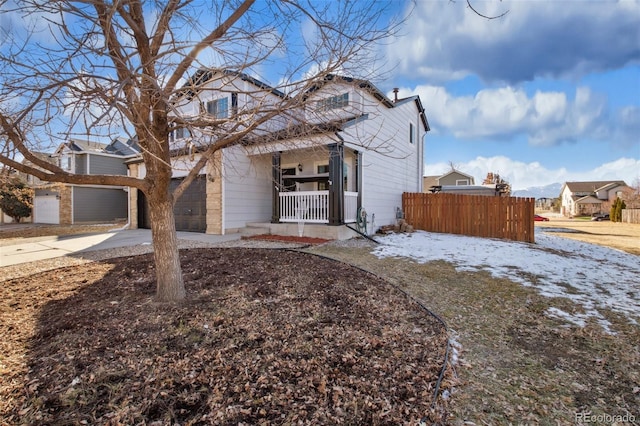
x: 470, y: 6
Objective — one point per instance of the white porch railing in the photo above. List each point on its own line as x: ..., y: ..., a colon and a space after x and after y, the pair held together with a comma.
x: 304, y: 206
x: 313, y: 206
x: 350, y: 207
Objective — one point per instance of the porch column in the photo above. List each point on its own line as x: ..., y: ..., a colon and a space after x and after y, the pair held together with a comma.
x: 277, y: 184
x: 336, y: 184
x: 358, y: 161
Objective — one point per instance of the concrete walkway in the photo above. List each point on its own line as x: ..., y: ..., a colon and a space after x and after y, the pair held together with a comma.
x: 32, y: 249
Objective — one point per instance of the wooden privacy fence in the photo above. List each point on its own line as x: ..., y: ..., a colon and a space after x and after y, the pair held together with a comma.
x: 508, y: 218
x: 631, y: 215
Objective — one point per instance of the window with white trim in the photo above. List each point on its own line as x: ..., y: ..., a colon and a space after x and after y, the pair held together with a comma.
x: 218, y: 108
x: 333, y: 102
x: 412, y: 133
x: 64, y: 162
x: 179, y: 133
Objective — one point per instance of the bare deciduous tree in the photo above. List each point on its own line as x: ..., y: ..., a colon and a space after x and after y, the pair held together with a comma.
x: 102, y: 69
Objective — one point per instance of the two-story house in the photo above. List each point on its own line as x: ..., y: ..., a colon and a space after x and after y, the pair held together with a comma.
x: 586, y: 198
x: 67, y: 204
x: 451, y: 178
x: 349, y: 149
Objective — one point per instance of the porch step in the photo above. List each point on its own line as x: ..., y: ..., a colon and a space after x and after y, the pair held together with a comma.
x: 309, y: 230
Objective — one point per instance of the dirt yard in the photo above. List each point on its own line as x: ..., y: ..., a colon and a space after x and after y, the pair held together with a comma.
x: 622, y: 236
x: 266, y: 337
x: 86, y: 344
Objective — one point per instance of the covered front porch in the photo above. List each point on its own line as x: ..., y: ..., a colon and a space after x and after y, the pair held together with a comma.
x: 316, y: 186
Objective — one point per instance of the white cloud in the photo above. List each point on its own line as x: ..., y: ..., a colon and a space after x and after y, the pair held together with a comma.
x: 547, y: 118
x: 522, y: 175
x: 535, y: 39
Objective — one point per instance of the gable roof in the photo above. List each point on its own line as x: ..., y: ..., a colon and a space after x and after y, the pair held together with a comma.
x: 591, y: 186
x: 375, y: 92
x: 123, y: 147
x: 458, y: 172
x: 587, y: 199
x: 81, y: 146
x: 423, y: 114
x: 204, y: 75
x: 363, y: 84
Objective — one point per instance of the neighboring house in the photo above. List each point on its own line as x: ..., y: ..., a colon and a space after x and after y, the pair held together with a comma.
x: 451, y: 178
x: 67, y: 204
x: 587, y: 198
x: 544, y: 203
x: 456, y: 182
x: 350, y: 148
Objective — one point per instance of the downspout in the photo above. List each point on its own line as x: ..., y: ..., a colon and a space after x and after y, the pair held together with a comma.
x: 361, y: 233
x: 420, y: 154
x: 126, y: 189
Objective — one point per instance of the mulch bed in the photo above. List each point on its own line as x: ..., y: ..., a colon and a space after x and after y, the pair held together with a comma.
x: 265, y: 337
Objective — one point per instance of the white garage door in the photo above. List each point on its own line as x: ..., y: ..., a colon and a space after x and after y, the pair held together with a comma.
x: 46, y: 209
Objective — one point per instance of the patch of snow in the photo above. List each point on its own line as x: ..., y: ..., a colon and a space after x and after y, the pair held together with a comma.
x: 592, y: 276
x: 456, y: 348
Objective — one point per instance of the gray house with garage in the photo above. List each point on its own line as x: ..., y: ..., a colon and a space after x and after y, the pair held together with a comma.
x: 67, y: 204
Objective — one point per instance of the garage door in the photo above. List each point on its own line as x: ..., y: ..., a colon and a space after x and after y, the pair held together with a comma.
x: 46, y: 209
x: 190, y: 210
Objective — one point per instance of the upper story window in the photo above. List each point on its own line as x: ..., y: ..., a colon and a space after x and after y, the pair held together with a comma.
x: 179, y: 133
x: 333, y: 102
x: 64, y: 163
x: 218, y: 108
x: 412, y: 133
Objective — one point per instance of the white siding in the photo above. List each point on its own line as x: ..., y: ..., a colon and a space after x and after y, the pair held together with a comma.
x: 391, y: 164
x: 247, y: 188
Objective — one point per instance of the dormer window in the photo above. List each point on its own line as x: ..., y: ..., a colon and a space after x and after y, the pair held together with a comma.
x: 64, y: 163
x: 333, y: 102
x: 218, y: 108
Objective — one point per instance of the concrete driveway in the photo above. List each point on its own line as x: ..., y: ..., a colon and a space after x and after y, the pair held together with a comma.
x: 14, y: 252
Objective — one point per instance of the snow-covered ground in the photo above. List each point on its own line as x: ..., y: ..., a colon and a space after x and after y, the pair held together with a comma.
x: 592, y: 276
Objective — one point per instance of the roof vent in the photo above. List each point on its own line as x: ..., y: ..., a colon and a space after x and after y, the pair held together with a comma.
x: 395, y: 94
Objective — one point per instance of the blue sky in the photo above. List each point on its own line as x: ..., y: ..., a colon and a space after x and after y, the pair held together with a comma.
x: 548, y: 93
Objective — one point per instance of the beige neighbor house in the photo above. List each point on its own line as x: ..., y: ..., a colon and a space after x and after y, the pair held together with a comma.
x: 451, y: 178
x: 350, y: 150
x: 587, y: 198
x: 456, y: 182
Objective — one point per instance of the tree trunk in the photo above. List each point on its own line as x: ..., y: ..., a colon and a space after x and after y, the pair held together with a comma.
x: 170, y: 285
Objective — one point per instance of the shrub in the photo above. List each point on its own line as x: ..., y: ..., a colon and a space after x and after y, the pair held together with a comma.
x: 16, y: 199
